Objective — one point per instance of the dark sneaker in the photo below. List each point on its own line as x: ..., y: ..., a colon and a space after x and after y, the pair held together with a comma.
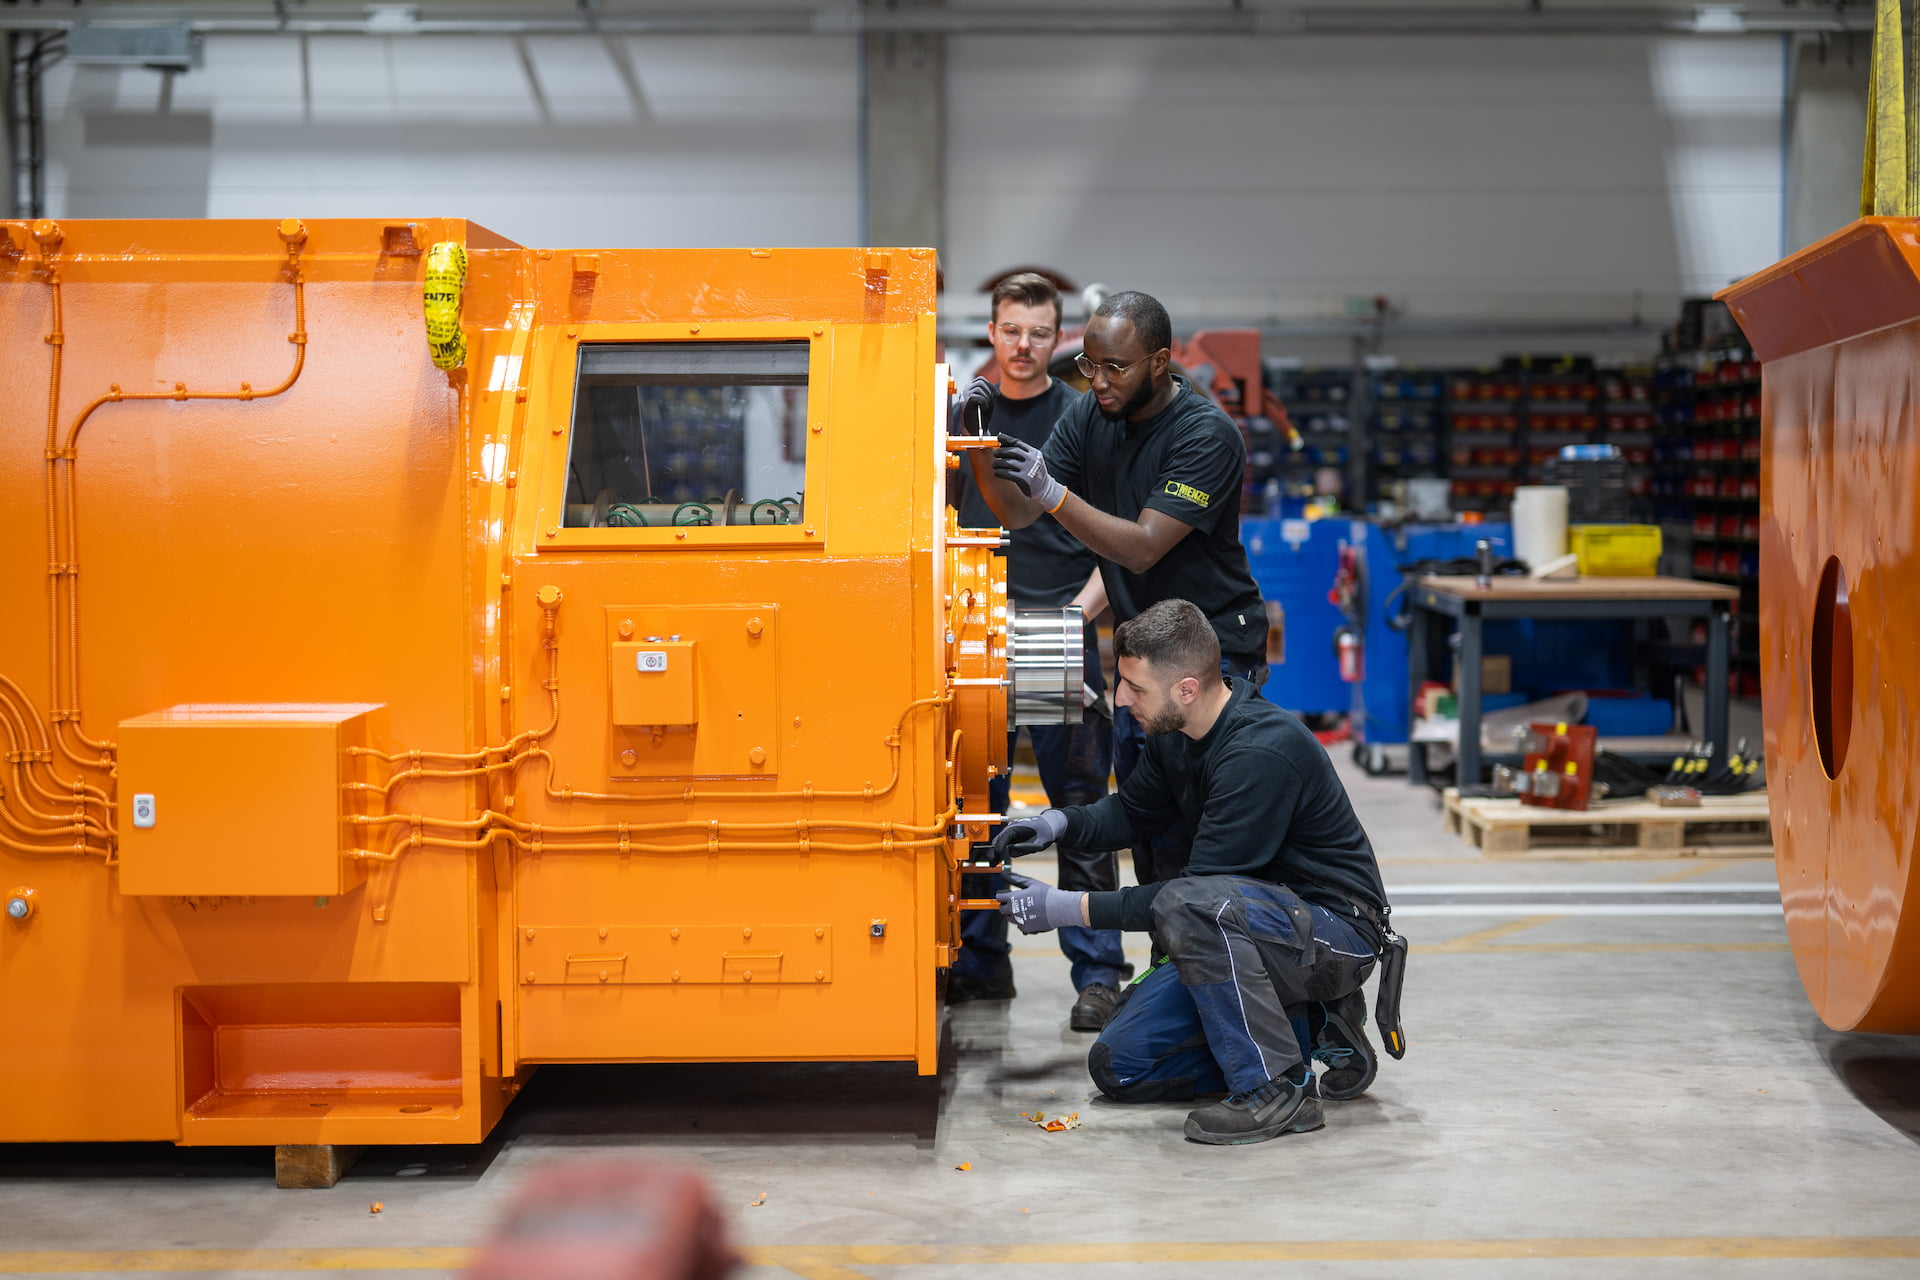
x: 1095, y: 1005
x: 1340, y: 1046
x: 964, y: 989
x: 1276, y: 1107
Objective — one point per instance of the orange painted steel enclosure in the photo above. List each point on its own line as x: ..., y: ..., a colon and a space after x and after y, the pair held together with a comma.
x: 357, y: 759
x: 1837, y: 329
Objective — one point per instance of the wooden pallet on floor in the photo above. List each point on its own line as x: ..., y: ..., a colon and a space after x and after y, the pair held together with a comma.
x: 1722, y: 827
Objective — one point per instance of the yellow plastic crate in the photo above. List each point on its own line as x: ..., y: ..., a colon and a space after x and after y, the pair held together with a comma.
x: 1616, y: 550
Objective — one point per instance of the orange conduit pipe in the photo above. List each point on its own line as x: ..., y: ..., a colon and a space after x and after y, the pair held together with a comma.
x: 538, y: 844
x: 512, y: 746
x: 550, y: 605
x: 804, y: 793
x: 23, y: 726
x: 293, y: 234
x: 800, y: 827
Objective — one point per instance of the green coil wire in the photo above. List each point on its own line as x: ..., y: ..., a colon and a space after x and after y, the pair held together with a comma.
x: 703, y: 514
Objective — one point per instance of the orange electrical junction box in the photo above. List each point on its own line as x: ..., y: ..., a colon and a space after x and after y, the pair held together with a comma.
x: 427, y: 657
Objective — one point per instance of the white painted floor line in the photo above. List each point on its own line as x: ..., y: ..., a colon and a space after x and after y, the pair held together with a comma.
x: 1484, y: 909
x: 1396, y: 891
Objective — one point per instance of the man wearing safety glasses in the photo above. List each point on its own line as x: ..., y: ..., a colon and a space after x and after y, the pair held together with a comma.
x: 1145, y: 471
x: 1046, y: 568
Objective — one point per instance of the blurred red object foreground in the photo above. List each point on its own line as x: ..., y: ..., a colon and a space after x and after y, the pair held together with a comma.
x: 609, y: 1220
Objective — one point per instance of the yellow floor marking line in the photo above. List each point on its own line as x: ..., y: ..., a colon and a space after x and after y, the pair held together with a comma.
x: 833, y: 1262
x: 386, y: 1259
x: 1472, y: 941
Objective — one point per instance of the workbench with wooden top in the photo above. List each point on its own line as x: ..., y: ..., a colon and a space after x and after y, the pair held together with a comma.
x: 1439, y: 601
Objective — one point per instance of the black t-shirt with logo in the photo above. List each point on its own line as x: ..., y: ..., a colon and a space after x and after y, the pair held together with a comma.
x: 1046, y: 565
x: 1187, y: 461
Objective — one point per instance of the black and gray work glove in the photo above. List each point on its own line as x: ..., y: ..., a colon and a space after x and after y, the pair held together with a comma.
x: 1029, y: 835
x: 1026, y: 466
x: 976, y: 407
x: 1036, y: 906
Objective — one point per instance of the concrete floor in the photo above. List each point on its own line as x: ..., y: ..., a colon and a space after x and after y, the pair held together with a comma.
x: 1597, y: 1096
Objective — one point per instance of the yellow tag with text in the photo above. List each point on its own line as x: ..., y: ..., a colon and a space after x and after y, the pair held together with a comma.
x: 1188, y: 492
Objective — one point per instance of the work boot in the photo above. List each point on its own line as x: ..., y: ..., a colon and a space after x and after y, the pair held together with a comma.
x: 964, y: 989
x: 1096, y: 1004
x: 1276, y: 1107
x: 1340, y: 1045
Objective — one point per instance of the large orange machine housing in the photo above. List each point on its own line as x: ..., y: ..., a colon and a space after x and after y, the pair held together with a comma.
x: 427, y: 657
x: 1837, y: 330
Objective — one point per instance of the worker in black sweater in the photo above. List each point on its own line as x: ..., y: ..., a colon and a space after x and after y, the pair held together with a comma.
x: 1267, y: 932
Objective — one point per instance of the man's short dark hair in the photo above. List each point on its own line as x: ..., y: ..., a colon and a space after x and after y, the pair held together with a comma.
x: 1174, y: 636
x: 1030, y: 289
x: 1143, y: 311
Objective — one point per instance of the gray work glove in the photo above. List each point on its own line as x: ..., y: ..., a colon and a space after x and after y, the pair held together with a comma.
x: 976, y: 407
x: 1029, y: 835
x: 1037, y: 907
x: 1022, y: 463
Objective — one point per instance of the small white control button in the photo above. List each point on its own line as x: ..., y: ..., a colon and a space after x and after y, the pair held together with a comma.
x: 650, y: 660
x: 143, y: 811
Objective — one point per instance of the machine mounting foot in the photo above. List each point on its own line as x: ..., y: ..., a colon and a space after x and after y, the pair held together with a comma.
x: 312, y: 1166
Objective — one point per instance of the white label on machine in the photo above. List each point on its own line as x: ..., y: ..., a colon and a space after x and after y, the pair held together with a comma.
x: 650, y: 660
x: 143, y: 811
x: 1295, y: 532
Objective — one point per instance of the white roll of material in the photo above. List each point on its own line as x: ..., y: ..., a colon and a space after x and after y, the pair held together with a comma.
x: 1539, y: 523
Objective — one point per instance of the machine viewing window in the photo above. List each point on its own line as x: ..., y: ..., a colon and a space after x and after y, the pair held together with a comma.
x: 688, y: 433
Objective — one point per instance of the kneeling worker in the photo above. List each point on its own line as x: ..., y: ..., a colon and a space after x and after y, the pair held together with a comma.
x: 1271, y: 927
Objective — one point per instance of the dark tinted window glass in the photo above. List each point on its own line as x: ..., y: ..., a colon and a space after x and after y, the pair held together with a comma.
x: 688, y: 433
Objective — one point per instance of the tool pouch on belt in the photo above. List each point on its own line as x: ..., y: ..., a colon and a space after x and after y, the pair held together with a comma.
x: 1386, y: 1002
x: 1302, y: 931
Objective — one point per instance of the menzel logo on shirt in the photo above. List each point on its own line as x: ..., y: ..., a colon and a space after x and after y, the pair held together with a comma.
x: 1188, y: 492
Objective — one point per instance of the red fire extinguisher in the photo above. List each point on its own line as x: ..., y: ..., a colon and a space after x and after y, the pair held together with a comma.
x: 1346, y: 643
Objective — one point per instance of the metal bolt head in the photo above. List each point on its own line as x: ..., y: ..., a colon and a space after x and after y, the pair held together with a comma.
x: 878, y: 929
x: 18, y: 908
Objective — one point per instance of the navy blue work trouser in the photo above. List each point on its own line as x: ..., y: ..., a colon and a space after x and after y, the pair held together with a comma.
x: 1228, y: 1010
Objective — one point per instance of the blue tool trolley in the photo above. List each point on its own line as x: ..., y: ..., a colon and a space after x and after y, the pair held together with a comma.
x: 1381, y: 702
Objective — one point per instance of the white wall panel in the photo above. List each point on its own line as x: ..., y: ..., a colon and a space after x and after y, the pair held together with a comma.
x: 1243, y: 180
x: 1273, y: 179
x: 552, y: 140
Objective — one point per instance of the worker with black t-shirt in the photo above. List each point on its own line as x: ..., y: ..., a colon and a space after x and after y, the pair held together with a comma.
x: 1270, y: 928
x: 1047, y: 568
x: 1146, y: 471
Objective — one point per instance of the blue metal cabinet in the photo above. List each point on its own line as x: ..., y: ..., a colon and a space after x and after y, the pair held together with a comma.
x: 1294, y: 562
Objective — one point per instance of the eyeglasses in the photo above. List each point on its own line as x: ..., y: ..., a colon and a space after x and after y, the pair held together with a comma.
x: 1040, y: 336
x: 1113, y: 369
